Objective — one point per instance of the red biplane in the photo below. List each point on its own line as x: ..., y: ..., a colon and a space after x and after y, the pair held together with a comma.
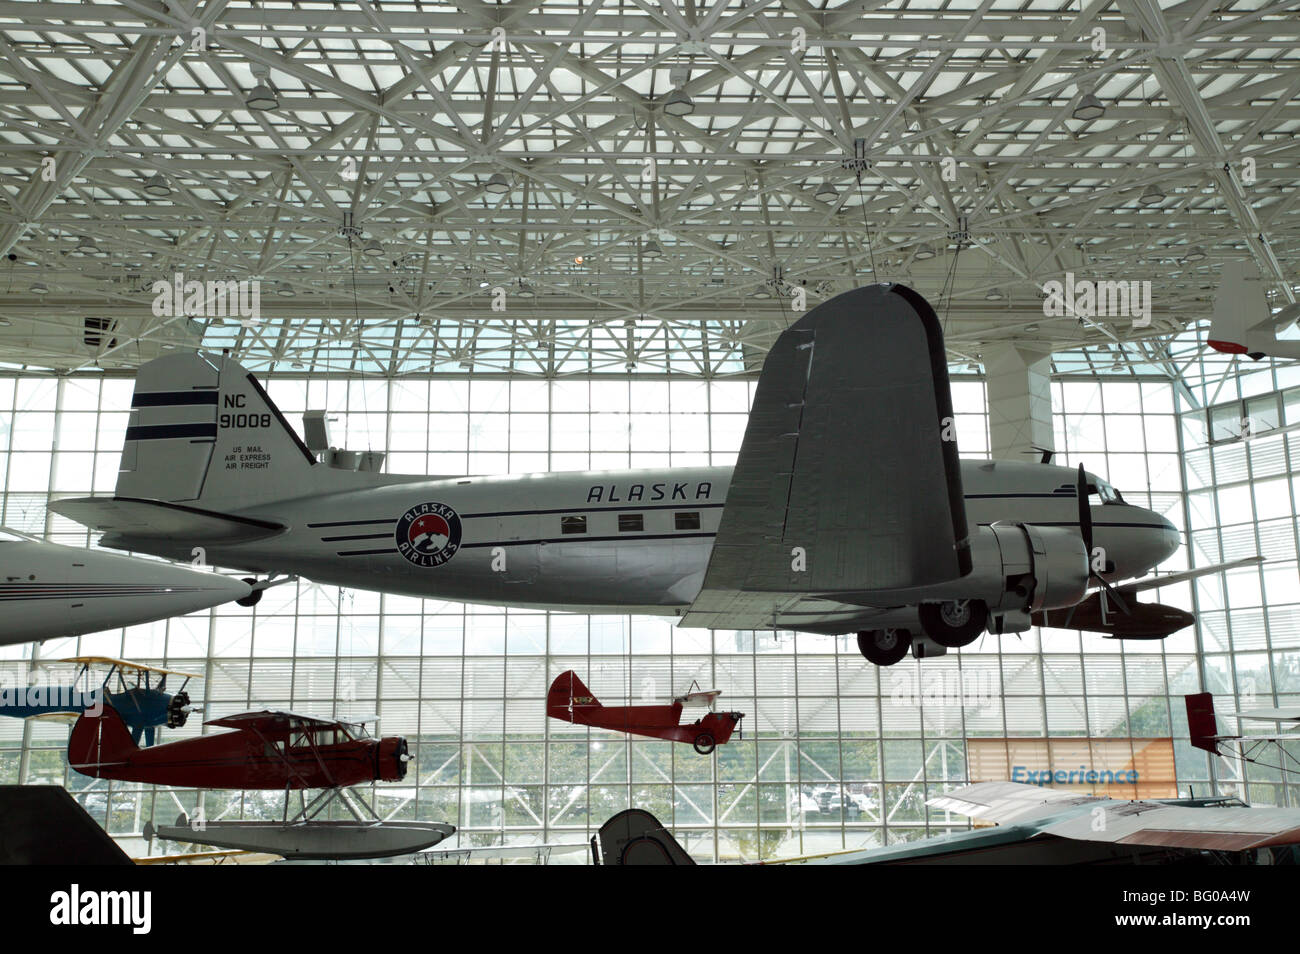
x: 266, y: 750
x: 571, y: 701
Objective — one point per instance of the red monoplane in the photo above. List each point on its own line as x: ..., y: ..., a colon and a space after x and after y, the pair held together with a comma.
x: 572, y: 701
x: 267, y: 750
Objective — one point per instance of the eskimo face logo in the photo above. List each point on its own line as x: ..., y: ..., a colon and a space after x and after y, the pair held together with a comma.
x: 428, y: 534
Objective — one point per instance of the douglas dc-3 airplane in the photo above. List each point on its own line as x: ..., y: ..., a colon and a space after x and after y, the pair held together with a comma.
x: 848, y: 510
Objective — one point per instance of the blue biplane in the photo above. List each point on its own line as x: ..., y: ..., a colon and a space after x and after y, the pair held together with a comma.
x: 144, y: 703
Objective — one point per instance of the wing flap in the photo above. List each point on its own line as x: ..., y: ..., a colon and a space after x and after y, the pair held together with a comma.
x: 848, y: 477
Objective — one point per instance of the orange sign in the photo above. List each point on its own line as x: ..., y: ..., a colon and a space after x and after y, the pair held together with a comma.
x: 1118, y: 768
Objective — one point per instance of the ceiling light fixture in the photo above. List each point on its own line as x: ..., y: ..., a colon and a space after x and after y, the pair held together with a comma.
x: 1152, y: 195
x: 261, y: 96
x: 1089, y: 107
x: 497, y: 184
x: 924, y: 252
x: 156, y: 187
x: 827, y: 191
x: 679, y: 103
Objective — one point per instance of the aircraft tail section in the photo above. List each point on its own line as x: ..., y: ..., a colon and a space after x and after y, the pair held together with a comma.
x: 569, y: 695
x: 203, y: 430
x: 635, y: 837
x: 99, y: 741
x: 1239, y: 304
x: 1202, y: 725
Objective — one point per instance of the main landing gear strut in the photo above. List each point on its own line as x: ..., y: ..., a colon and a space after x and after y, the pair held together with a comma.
x: 951, y: 625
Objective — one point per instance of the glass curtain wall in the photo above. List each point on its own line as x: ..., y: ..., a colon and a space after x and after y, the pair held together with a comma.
x: 835, y: 753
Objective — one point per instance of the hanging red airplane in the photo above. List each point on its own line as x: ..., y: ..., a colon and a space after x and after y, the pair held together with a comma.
x: 268, y: 750
x: 571, y: 701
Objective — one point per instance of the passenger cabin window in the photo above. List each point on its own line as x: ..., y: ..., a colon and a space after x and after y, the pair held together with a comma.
x: 687, y: 521
x: 573, y: 524
x: 630, y: 522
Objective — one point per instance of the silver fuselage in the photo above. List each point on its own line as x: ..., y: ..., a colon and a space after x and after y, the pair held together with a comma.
x: 514, y: 549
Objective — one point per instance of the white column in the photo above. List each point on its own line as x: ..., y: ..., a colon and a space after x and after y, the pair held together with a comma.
x: 1019, y: 384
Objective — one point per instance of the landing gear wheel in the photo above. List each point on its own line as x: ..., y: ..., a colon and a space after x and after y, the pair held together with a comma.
x: 884, y: 647
x: 954, y: 624
x: 704, y: 743
x: 253, y: 598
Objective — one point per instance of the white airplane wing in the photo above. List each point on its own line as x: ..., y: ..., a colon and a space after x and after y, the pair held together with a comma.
x: 1215, y: 828
x: 1002, y: 803
x: 848, y: 477
x: 1169, y: 579
x: 1092, y: 818
x: 1269, y: 715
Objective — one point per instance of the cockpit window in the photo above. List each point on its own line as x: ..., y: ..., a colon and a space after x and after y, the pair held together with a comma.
x: 1105, y: 492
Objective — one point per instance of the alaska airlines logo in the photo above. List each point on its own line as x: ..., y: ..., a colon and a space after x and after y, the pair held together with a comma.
x: 428, y: 534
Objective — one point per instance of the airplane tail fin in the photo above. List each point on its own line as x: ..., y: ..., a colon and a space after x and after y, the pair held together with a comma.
x: 1239, y: 305
x: 635, y: 837
x: 1203, y: 727
x: 99, y: 742
x: 568, y: 693
x: 202, y: 429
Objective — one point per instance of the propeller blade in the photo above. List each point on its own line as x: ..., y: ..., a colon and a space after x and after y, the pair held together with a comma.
x: 1114, y: 594
x: 1085, y: 513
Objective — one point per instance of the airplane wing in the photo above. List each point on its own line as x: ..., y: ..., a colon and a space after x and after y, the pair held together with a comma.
x: 1269, y: 715
x: 266, y: 719
x: 127, y: 665
x: 848, y: 477
x: 1169, y: 579
x: 506, y: 851
x: 706, y: 697
x: 1003, y: 803
x: 1213, y: 828
x: 1091, y: 818
x: 152, y: 519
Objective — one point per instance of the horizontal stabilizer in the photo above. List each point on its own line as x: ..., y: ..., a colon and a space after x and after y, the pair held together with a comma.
x: 156, y: 519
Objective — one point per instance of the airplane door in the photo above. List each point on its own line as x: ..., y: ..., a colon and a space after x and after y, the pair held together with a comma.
x: 517, y: 534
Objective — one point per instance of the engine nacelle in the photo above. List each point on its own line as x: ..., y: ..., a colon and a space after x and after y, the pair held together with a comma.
x: 1026, y: 568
